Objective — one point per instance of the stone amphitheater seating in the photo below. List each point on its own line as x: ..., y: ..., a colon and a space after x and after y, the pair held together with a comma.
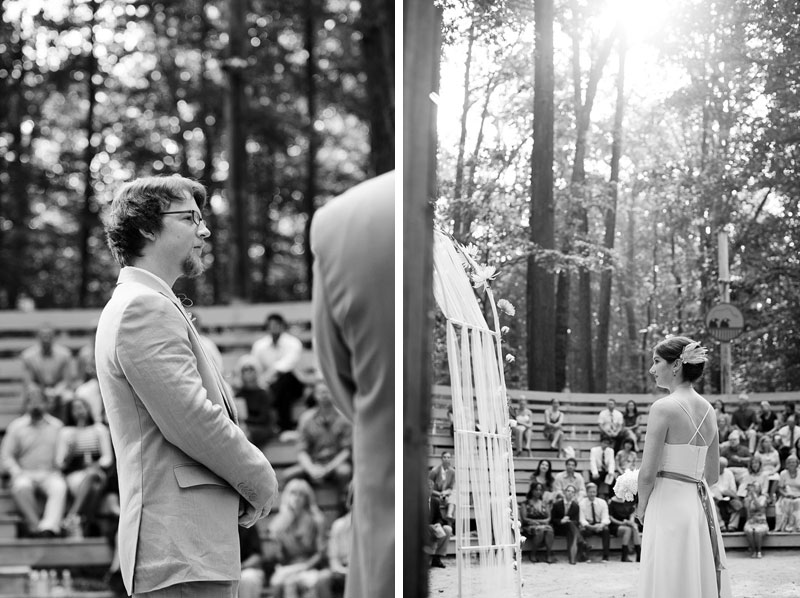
x: 581, y: 412
x: 232, y: 328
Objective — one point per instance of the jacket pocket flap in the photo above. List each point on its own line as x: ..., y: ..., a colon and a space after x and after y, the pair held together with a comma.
x: 189, y: 475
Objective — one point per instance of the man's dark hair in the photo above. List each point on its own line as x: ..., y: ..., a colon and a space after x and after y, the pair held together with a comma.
x: 275, y: 317
x: 137, y: 207
x: 573, y: 459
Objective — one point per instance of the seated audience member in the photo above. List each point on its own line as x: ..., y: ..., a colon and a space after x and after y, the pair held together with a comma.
x: 594, y: 519
x: 325, y: 441
x: 755, y: 475
x: 726, y: 498
x: 626, y: 458
x: 298, y: 529
x: 736, y: 453
x: 523, y: 427
x: 631, y: 419
x: 787, y: 508
x: 439, y: 529
x: 261, y: 420
x: 28, y: 455
x: 611, y: 423
x: 565, y: 519
x: 252, y: 580
x: 723, y: 420
x: 569, y: 477
x: 623, y: 525
x: 783, y: 416
x: 767, y: 420
x: 535, y: 518
x: 443, y: 478
x: 49, y: 365
x: 790, y: 438
x: 602, y: 465
x: 755, y: 528
x: 278, y: 355
x: 544, y: 475
x: 554, y: 426
x: 331, y: 580
x: 744, y: 420
x: 89, y: 388
x: 770, y: 462
x: 84, y: 455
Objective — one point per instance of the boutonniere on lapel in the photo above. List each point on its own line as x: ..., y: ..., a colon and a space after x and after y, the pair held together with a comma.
x: 186, y: 302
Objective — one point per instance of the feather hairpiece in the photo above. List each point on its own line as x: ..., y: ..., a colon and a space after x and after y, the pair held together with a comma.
x: 693, y: 353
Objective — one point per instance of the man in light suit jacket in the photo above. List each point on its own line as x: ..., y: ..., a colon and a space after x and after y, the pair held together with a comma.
x: 352, y: 238
x: 187, y: 473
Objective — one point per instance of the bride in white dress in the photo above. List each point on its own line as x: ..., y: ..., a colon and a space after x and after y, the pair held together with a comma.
x: 682, y: 550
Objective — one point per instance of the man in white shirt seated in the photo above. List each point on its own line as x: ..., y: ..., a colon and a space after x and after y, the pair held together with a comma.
x: 602, y: 466
x: 569, y: 477
x: 278, y: 354
x: 729, y: 505
x: 790, y: 438
x: 594, y: 520
x: 612, y: 423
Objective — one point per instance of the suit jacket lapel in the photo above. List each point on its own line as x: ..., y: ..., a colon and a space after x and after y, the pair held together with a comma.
x: 209, y: 361
x: 133, y: 274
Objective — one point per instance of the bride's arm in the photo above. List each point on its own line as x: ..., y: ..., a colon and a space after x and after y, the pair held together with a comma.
x: 711, y: 472
x: 653, y: 447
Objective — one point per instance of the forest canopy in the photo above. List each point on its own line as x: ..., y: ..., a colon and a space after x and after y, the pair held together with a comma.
x: 271, y: 105
x: 670, y: 123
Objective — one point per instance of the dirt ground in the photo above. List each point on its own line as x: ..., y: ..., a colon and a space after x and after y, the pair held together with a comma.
x: 777, y: 575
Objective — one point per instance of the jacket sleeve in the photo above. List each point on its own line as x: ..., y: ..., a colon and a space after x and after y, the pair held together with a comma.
x: 156, y: 357
x: 332, y: 351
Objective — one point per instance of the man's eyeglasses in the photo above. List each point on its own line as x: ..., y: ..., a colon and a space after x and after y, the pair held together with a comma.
x: 197, y: 217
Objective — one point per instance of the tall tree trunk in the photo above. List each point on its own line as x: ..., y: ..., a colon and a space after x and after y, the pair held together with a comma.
x: 652, y: 308
x: 207, y: 112
x: 584, y: 366
x: 16, y: 239
x: 635, y: 363
x: 313, y: 139
x: 461, y: 219
x: 563, y: 289
x: 610, y: 223
x: 421, y: 47
x: 378, y: 49
x: 237, y: 156
x: 540, y: 285
x: 89, y: 210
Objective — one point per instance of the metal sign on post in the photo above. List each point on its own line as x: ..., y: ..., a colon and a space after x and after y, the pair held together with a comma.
x: 724, y: 322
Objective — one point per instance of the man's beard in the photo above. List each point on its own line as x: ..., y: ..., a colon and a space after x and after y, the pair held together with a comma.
x: 193, y: 266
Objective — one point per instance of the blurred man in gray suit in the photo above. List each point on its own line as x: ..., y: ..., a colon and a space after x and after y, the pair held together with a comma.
x: 352, y: 238
x: 187, y: 473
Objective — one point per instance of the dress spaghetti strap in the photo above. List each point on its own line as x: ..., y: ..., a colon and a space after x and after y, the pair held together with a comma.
x: 696, y: 426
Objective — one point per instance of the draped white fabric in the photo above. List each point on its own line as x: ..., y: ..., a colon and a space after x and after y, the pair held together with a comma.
x: 487, y: 561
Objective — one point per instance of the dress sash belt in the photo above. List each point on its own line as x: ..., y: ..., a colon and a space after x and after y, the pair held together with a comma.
x: 708, y: 507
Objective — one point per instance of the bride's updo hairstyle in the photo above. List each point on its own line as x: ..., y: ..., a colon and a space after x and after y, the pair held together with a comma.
x: 671, y: 349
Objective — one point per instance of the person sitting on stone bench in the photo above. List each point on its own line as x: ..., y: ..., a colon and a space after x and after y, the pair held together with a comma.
x: 28, y: 455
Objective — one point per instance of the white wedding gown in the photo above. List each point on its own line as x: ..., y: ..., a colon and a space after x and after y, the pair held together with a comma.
x: 677, y: 558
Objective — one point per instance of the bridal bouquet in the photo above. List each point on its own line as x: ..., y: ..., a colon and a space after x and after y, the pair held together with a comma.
x: 627, y: 485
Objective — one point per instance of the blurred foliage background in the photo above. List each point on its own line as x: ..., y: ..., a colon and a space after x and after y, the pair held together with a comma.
x: 671, y: 122
x: 274, y: 106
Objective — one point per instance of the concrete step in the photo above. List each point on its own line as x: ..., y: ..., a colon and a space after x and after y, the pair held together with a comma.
x: 14, y: 580
x: 8, y: 526
x: 731, y: 540
x: 55, y: 553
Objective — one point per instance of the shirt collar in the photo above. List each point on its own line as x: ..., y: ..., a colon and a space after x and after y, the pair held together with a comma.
x: 132, y: 273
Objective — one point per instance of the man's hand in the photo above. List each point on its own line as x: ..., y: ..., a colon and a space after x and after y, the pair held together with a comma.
x: 248, y: 514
